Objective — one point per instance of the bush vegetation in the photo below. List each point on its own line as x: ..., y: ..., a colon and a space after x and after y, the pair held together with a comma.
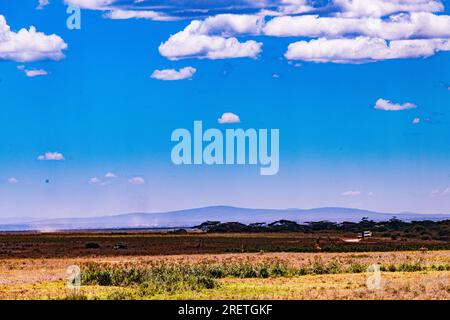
x: 170, y: 279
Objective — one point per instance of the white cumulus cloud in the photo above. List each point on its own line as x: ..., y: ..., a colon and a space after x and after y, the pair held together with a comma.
x: 172, y: 74
x: 383, y: 104
x: 211, y: 39
x: 396, y: 27
x: 229, y: 25
x: 229, y: 117
x: 379, y: 8
x: 363, y: 49
x: 29, y: 45
x: 364, y: 31
x: 336, y: 31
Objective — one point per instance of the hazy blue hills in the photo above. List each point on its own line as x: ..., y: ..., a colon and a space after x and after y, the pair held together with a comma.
x: 192, y: 217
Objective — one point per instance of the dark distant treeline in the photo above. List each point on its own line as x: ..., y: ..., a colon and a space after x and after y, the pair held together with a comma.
x: 425, y: 230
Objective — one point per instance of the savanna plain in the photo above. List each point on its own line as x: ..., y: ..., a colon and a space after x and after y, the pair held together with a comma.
x: 203, y: 265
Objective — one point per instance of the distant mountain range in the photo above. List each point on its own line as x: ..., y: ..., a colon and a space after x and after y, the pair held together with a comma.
x: 192, y: 217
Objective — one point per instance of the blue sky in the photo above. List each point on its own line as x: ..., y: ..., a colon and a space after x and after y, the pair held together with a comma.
x: 98, y: 109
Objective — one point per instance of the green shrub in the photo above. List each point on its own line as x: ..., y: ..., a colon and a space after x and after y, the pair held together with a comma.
x: 163, y: 279
x: 278, y: 270
x: 178, y: 278
x: 120, y: 295
x: 410, y: 267
x: 264, y: 272
x: 357, y: 268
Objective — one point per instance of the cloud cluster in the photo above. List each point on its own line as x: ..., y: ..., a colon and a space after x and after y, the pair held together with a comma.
x: 359, y: 33
x: 172, y: 74
x: 211, y: 39
x: 103, y: 182
x: 335, y: 31
x: 380, y: 8
x: 188, y: 10
x: 363, y: 39
x: 29, y: 45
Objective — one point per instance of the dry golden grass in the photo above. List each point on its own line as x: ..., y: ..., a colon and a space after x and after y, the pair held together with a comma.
x: 406, y: 286
x: 45, y: 278
x: 395, y: 286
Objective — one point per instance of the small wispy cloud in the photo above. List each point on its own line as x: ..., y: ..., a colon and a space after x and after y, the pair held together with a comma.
x: 110, y: 175
x: 136, y: 180
x: 13, y: 180
x: 118, y: 14
x: 98, y: 182
x: 42, y: 4
x: 229, y: 117
x: 416, y: 120
x: 91, y: 4
x: 32, y: 72
x: 172, y: 74
x: 295, y: 64
x: 440, y: 193
x: 435, y: 192
x: 51, y: 156
x: 350, y: 193
x: 94, y: 180
x: 383, y: 104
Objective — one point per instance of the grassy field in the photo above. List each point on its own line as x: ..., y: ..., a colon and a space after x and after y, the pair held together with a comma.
x: 218, y: 266
x: 402, y: 285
